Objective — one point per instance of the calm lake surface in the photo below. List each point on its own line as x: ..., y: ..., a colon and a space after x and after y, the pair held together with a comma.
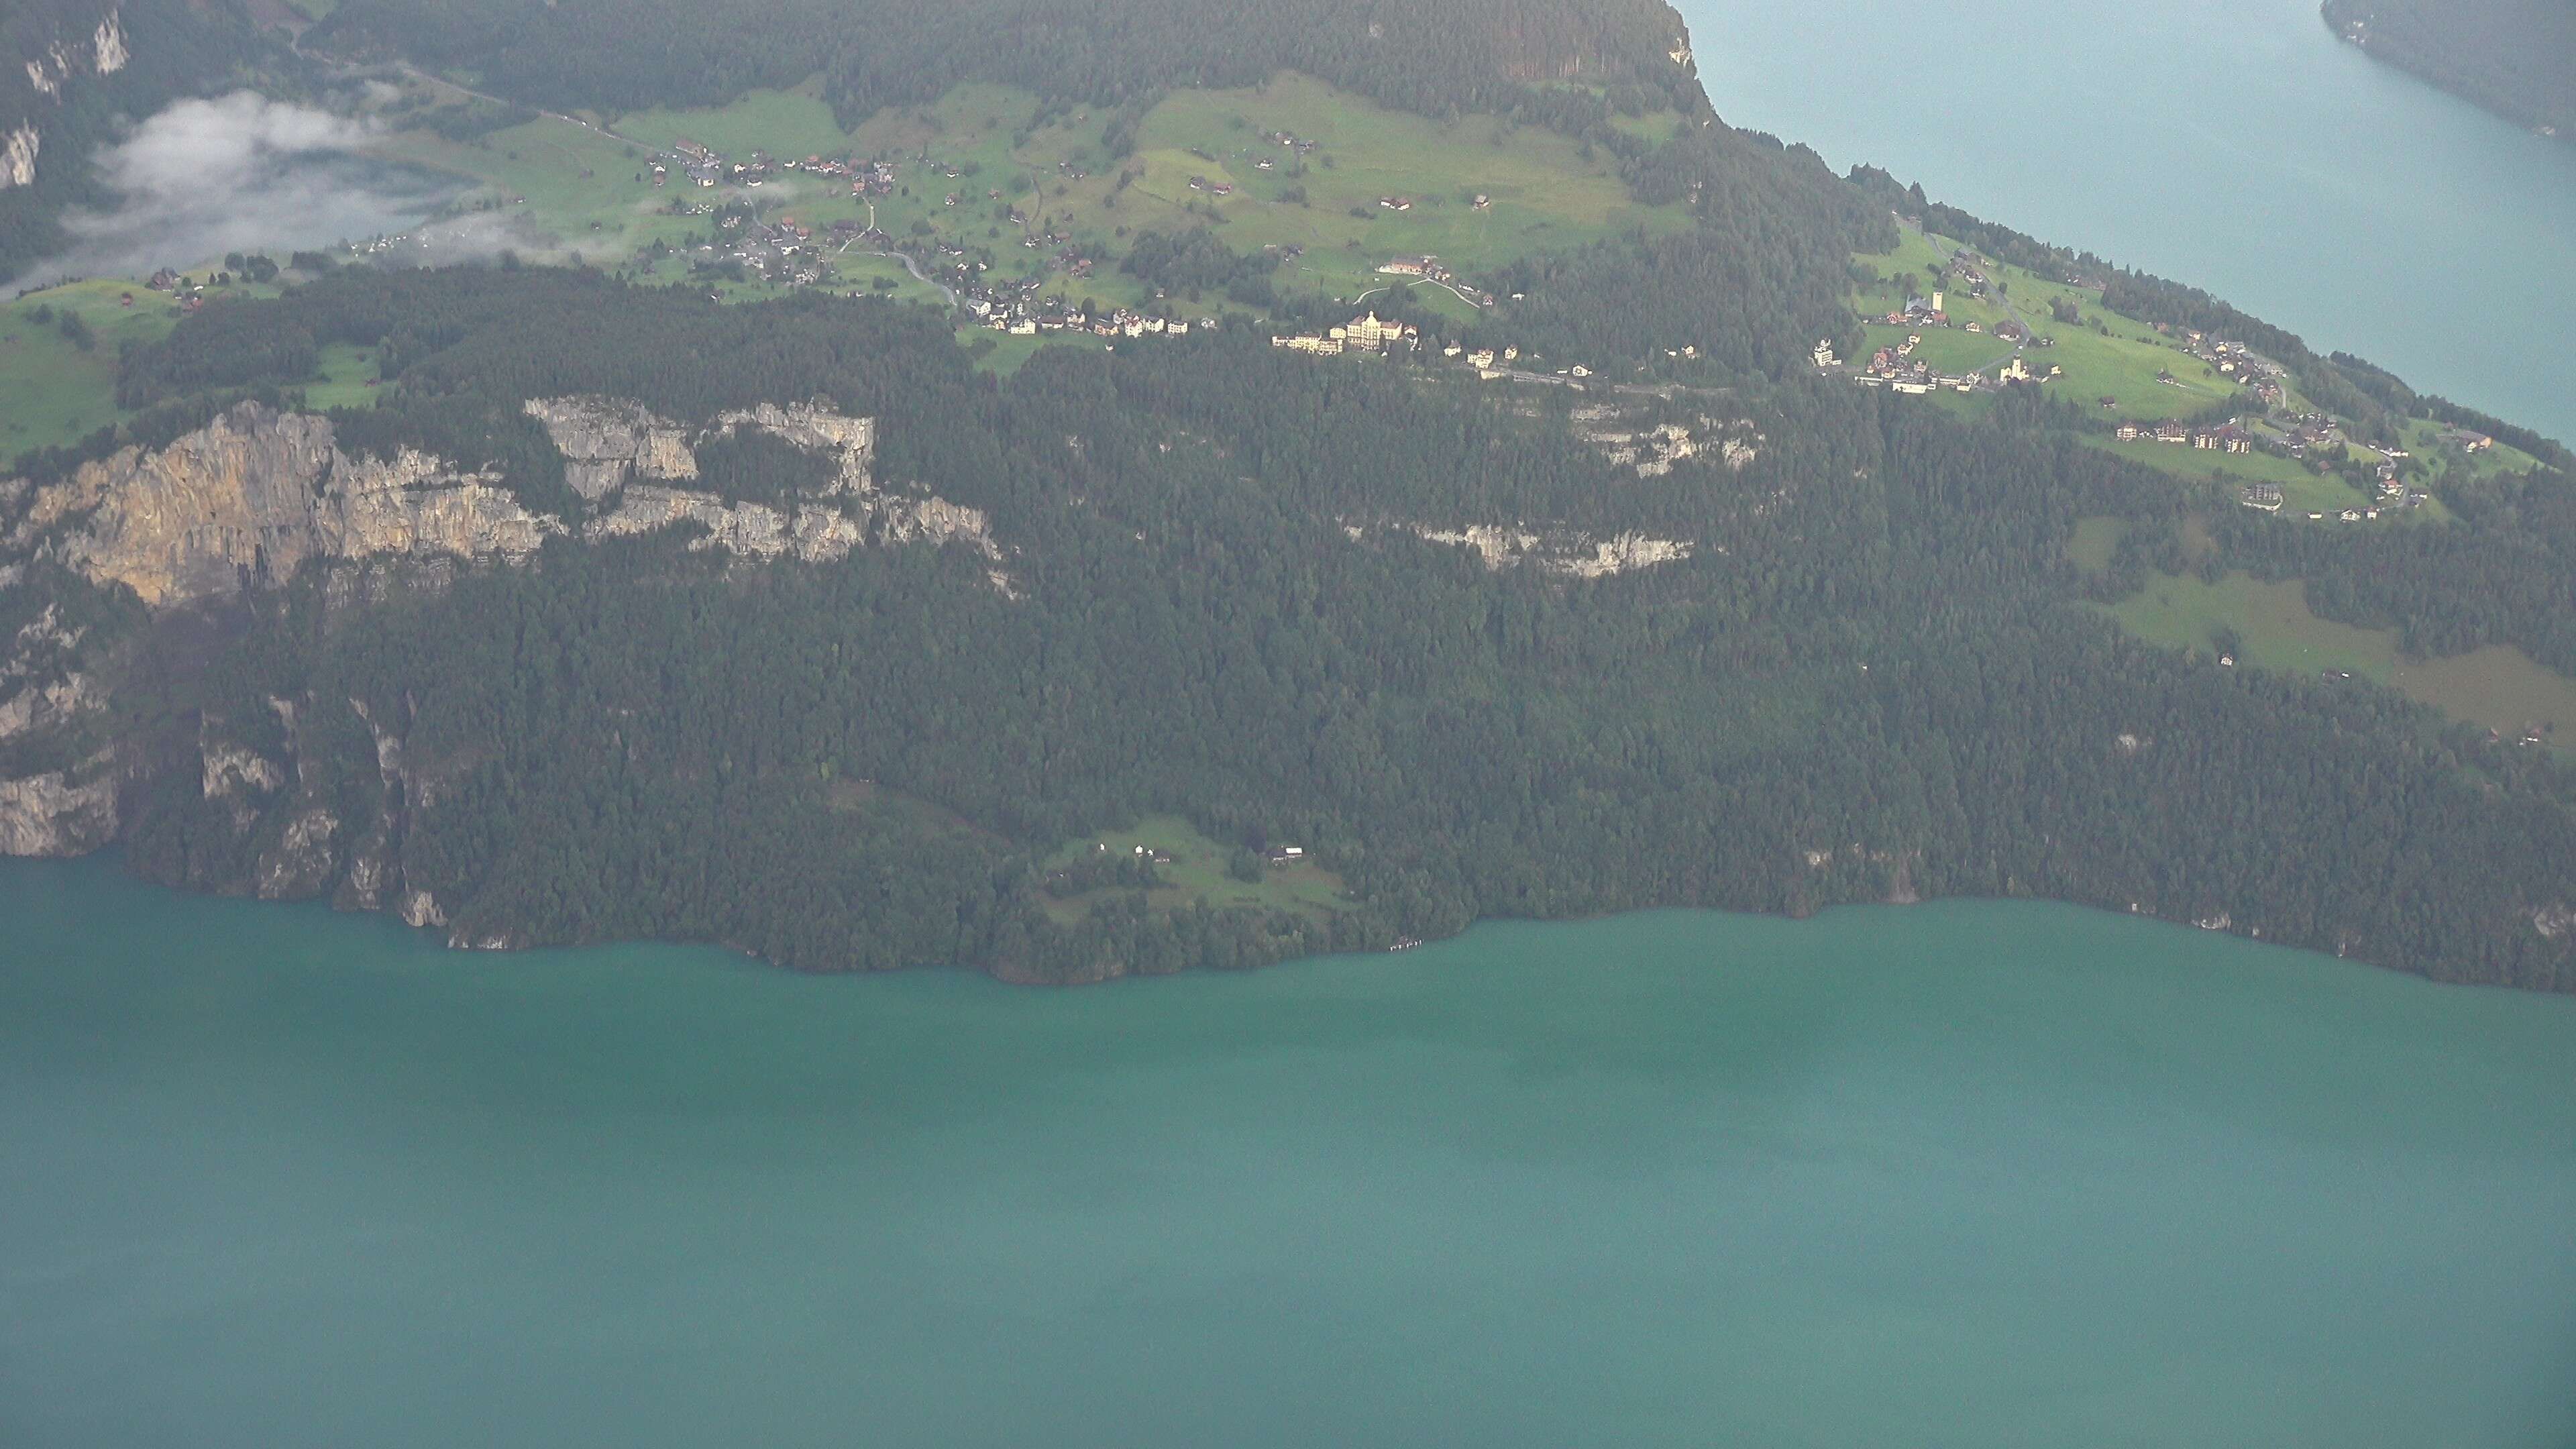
x: 2232, y: 144
x: 1971, y: 1175
x: 1989, y: 1175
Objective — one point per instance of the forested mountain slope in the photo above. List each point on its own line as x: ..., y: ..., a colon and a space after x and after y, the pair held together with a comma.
x: 1213, y: 580
x: 69, y: 69
x: 605, y: 609
x: 2514, y: 57
x: 1437, y: 56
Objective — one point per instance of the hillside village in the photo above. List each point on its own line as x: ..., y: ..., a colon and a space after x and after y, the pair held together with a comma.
x: 936, y: 211
x: 782, y: 251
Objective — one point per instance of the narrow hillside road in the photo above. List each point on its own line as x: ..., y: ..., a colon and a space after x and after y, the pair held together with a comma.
x: 913, y: 267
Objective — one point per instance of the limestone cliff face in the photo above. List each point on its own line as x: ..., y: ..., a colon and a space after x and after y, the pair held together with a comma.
x: 18, y: 151
x: 817, y: 429
x: 608, y: 443
x: 754, y: 530
x: 77, y: 48
x: 616, y: 447
x: 60, y: 812
x: 47, y: 702
x: 257, y: 494
x: 1568, y: 553
x: 254, y: 494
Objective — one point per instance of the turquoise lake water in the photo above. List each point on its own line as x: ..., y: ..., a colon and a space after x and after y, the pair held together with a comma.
x: 2233, y: 144
x: 1989, y: 1175
x: 1959, y: 1175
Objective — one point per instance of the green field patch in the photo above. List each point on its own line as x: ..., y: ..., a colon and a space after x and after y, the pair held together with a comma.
x: 1002, y: 354
x: 2447, y: 460
x: 1197, y: 873
x: 856, y: 796
x: 554, y: 188
x: 2128, y: 371
x: 980, y: 174
x: 54, y: 393
x: 347, y: 379
x: 790, y: 123
x: 2498, y: 687
x: 1947, y: 350
x: 1654, y: 127
x: 2303, y: 489
x: 1540, y: 191
x: 1915, y: 256
x: 2095, y: 542
x: 2101, y: 355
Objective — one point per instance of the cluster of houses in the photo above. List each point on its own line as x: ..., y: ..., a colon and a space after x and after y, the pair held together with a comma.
x: 1364, y: 333
x: 191, y: 296
x: 1368, y: 333
x: 1432, y: 269
x: 1030, y: 317
x: 2227, y: 439
x: 1920, y: 312
x: 2237, y: 363
x: 785, y: 251
x: 703, y: 166
x: 1897, y: 369
x: 2266, y: 498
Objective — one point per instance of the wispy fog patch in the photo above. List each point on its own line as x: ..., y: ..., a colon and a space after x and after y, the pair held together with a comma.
x: 238, y: 173
x: 472, y: 237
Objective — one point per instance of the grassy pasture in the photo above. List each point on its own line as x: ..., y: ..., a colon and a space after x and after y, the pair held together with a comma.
x: 51, y: 392
x: 557, y: 186
x: 578, y: 190
x: 1946, y: 349
x: 1197, y: 875
x: 2498, y: 687
x: 789, y: 123
x: 2094, y: 543
x: 346, y: 371
x: 2121, y: 360
x: 2302, y: 490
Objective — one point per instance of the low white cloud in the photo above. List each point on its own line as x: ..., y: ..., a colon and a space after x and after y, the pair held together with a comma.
x: 238, y: 173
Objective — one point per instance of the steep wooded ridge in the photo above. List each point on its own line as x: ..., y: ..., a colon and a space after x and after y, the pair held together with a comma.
x: 1427, y: 55
x: 69, y: 69
x: 2514, y: 57
x: 623, y: 612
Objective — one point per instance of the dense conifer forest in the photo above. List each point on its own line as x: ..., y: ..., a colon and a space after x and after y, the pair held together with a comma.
x: 1873, y: 677
x: 1437, y: 56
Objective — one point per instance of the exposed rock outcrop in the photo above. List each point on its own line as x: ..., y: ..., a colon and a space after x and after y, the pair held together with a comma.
x: 1565, y: 552
x: 302, y: 862
x: 255, y: 493
x: 102, y: 51
x: 817, y: 429
x: 45, y: 699
x: 608, y: 443
x: 60, y: 812
x: 45, y: 708
x: 228, y: 769
x: 811, y: 533
x: 1653, y: 448
x: 612, y: 446
x: 18, y: 151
